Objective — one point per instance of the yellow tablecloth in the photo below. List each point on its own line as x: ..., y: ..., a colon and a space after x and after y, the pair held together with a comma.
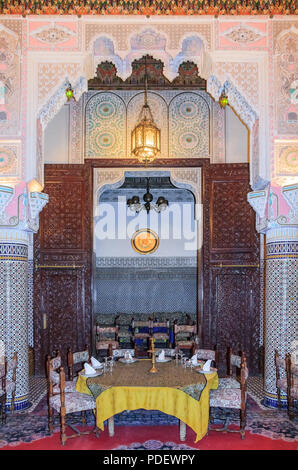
x: 172, y: 401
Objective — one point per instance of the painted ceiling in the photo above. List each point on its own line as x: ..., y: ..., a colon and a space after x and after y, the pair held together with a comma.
x: 149, y: 7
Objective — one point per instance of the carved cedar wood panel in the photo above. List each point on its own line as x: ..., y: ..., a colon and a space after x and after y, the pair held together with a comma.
x: 231, y: 295
x: 62, y: 296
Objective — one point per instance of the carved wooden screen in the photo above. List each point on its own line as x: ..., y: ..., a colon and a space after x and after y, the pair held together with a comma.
x: 231, y: 259
x: 230, y: 295
x: 62, y: 298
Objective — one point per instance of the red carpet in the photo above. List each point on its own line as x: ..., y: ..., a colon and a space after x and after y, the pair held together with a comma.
x: 125, y: 435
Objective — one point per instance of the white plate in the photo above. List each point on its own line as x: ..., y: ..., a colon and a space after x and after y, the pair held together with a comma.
x: 124, y: 361
x: 201, y: 371
x: 91, y: 375
x: 167, y: 359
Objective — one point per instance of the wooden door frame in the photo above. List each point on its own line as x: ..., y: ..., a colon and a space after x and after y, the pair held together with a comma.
x: 162, y: 164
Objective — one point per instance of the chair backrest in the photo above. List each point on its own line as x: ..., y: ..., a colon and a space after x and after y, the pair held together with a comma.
x: 234, y: 360
x: 3, y: 375
x: 121, y: 352
x: 208, y: 354
x: 190, y: 330
x: 11, y: 367
x: 141, y: 326
x: 53, y: 377
x: 101, y: 331
x: 291, y: 372
x: 78, y: 357
x: 170, y: 352
x: 243, y: 379
x: 54, y: 362
x: 280, y: 365
x: 164, y: 324
x: 2, y: 352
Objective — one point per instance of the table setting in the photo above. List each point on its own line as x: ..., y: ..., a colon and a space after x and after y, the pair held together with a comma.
x: 169, y: 384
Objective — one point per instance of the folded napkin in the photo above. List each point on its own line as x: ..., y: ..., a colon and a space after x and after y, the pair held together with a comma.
x: 88, y: 369
x: 194, y: 359
x: 95, y: 363
x: 127, y: 356
x: 206, y: 366
x: 161, y: 356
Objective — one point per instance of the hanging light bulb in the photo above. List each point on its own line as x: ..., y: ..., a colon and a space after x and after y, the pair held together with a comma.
x: 69, y: 94
x: 145, y: 137
x: 223, y: 99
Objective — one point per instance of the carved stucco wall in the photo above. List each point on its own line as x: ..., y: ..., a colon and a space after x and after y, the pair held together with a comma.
x: 252, y: 54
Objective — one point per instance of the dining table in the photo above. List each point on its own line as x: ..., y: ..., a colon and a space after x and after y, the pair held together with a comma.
x: 178, y: 391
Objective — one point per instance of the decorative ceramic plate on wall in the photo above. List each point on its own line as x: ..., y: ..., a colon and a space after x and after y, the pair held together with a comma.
x: 145, y: 241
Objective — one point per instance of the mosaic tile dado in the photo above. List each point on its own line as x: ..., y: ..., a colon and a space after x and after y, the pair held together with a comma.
x: 281, y: 308
x: 14, y: 321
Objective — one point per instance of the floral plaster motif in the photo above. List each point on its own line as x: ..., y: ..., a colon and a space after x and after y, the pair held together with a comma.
x: 9, y: 82
x: 49, y: 74
x: 286, y: 158
x: 10, y: 161
x: 243, y: 35
x: 53, y: 35
x: 244, y: 75
x: 286, y: 86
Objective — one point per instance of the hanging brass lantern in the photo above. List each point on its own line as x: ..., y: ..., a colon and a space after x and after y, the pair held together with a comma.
x: 145, y: 137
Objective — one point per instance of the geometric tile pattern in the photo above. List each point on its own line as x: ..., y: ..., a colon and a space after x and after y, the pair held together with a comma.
x: 13, y: 309
x: 182, y: 117
x: 188, y: 126
x: 281, y: 308
x: 105, y: 126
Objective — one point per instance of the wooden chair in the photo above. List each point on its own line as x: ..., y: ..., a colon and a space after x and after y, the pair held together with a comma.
x: 188, y: 340
x: 141, y: 333
x: 206, y: 354
x: 281, y: 376
x: 292, y: 384
x: 234, y: 398
x: 232, y: 379
x: 11, y: 376
x: 3, y: 391
x: 161, y: 332
x: 117, y: 353
x: 54, y: 364
x: 75, y: 358
x: 67, y: 403
x: 106, y: 339
x: 286, y: 381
